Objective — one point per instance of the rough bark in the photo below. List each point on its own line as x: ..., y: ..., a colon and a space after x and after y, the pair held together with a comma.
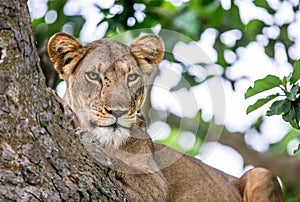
x: 41, y: 158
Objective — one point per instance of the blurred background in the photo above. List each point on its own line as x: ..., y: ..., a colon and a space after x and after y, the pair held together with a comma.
x: 215, y: 50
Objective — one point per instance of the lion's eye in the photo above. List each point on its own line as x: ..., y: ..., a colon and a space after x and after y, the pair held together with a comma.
x: 93, y: 76
x: 132, y: 77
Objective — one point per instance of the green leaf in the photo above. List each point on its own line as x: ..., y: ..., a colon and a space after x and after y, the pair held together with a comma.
x: 296, y: 150
x: 257, y: 124
x: 284, y: 81
x: 269, y: 49
x: 296, y: 116
x: 253, y: 28
x: 297, y: 109
x: 296, y: 72
x: 293, y: 94
x: 279, y: 107
x: 294, y: 124
x: 262, y: 85
x: 290, y: 115
x: 292, y: 118
x: 261, y: 102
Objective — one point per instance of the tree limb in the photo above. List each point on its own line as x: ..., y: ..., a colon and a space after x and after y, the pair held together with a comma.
x: 286, y: 167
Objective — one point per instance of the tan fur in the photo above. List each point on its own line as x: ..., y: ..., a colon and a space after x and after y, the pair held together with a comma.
x: 106, y: 87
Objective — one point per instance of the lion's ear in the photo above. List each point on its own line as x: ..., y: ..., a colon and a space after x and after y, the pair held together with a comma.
x: 64, y: 52
x: 148, y: 51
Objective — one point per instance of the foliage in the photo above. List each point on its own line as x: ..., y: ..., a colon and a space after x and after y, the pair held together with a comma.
x: 289, y: 107
x: 44, y: 30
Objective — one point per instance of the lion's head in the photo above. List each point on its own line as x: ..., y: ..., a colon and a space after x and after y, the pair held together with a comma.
x: 106, y: 81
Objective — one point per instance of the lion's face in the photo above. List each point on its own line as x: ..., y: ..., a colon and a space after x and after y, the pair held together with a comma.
x: 106, y: 82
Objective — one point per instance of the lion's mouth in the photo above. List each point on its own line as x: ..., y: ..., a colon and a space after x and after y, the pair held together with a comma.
x: 113, y: 134
x: 114, y: 126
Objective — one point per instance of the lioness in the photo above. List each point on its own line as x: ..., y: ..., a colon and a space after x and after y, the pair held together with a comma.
x: 106, y: 88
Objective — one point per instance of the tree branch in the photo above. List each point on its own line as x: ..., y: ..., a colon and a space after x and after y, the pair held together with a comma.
x: 286, y: 167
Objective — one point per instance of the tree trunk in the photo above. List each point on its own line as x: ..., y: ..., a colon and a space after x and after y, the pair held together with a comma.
x: 41, y: 158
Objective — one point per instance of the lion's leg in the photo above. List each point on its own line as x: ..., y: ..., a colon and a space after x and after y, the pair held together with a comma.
x: 260, y: 185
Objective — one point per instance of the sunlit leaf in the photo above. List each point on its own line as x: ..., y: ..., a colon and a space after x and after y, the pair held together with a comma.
x: 292, y: 95
x: 279, y: 107
x: 296, y: 72
x: 284, y: 81
x: 261, y: 102
x: 265, y: 5
x: 262, y: 85
x: 253, y: 28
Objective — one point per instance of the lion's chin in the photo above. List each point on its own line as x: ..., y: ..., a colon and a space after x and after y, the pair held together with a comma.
x: 111, y: 136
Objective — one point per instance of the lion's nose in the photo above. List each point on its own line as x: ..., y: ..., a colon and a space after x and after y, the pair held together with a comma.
x: 116, y: 113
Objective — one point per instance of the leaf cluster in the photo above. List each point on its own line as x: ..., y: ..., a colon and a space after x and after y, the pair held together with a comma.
x: 289, y: 106
x: 44, y: 30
